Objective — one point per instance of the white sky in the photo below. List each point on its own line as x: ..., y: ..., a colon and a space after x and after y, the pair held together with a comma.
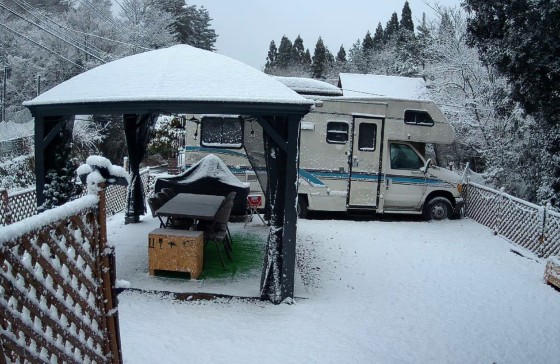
x: 246, y: 27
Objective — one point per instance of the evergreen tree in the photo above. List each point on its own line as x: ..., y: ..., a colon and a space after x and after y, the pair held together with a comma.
x: 341, y: 56
x: 271, y: 58
x: 204, y: 37
x: 367, y: 43
x: 284, y: 58
x: 307, y: 59
x: 378, y: 37
x: 319, y: 65
x: 423, y: 40
x: 60, y: 184
x: 406, y: 18
x: 193, y: 27
x: 520, y: 38
x: 298, y: 52
x: 391, y: 28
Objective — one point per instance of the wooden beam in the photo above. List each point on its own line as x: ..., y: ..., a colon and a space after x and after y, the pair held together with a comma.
x: 290, y: 209
x: 273, y: 134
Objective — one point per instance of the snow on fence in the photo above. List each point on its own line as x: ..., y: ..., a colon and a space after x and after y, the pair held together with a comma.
x: 56, y: 287
x: 533, y: 227
x: 20, y: 205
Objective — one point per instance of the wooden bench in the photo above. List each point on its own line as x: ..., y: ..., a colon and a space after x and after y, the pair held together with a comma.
x: 176, y: 250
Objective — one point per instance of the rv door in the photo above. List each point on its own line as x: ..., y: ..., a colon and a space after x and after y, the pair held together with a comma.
x: 365, y: 163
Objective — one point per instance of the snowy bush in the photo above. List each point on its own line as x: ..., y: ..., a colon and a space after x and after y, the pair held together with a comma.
x: 98, y: 169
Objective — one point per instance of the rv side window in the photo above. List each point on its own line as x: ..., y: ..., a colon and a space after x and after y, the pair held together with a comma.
x: 404, y: 157
x: 366, y: 137
x: 221, y: 132
x: 337, y: 132
x: 418, y: 117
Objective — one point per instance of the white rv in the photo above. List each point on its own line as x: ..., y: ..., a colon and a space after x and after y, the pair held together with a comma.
x: 356, y: 154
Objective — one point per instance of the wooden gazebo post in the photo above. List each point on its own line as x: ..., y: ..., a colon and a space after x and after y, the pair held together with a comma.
x: 282, y: 133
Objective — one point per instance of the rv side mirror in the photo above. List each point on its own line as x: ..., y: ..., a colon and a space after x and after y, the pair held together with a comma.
x: 426, y: 165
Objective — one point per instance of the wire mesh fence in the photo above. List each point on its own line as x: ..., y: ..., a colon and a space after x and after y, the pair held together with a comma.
x: 536, y: 228
x: 20, y: 205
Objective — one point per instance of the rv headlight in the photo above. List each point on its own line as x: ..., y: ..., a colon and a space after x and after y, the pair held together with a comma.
x: 460, y: 187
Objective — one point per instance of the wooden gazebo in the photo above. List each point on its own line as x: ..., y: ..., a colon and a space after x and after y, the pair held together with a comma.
x: 183, y: 79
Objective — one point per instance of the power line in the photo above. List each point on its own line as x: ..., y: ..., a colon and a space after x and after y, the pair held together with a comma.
x: 28, y: 8
x: 68, y: 29
x: 42, y: 46
x: 448, y: 105
x: 99, y: 14
x: 108, y: 39
x: 51, y: 33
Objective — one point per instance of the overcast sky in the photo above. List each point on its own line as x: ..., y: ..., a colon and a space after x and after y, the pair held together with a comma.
x: 246, y: 27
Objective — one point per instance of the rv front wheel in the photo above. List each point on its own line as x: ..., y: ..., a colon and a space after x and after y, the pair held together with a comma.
x: 438, y: 208
x: 302, y: 207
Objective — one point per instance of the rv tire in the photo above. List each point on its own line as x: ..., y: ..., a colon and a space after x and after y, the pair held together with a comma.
x: 438, y: 208
x: 302, y: 207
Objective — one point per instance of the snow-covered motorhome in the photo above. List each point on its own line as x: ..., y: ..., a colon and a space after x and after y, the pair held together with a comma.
x: 362, y: 149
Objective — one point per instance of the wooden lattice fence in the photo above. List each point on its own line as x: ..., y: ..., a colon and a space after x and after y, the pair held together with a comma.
x: 533, y: 227
x: 20, y: 205
x: 56, y: 287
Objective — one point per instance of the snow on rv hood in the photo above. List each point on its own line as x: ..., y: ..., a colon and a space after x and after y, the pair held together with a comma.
x: 444, y: 174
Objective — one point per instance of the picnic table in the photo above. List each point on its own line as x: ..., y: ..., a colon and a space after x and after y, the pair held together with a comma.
x: 190, y: 205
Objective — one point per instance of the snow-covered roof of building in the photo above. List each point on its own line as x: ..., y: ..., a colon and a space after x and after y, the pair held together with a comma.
x: 309, y: 86
x: 177, y: 73
x: 378, y: 86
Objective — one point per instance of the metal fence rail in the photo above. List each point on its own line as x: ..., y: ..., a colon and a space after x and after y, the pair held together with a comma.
x: 15, y: 147
x: 533, y: 227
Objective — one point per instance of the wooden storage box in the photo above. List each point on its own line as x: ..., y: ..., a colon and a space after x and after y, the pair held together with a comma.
x: 176, y: 250
x: 552, y: 272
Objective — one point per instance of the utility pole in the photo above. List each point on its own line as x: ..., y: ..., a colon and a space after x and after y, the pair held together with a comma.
x: 3, y: 116
x: 38, y: 85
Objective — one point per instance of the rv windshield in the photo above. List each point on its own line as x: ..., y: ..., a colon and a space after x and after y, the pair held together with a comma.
x: 404, y: 157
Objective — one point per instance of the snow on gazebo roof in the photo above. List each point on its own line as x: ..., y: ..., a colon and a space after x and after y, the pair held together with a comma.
x: 178, y: 73
x: 378, y: 86
x: 309, y: 86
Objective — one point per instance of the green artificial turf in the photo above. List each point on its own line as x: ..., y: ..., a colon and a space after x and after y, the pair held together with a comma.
x: 247, y: 258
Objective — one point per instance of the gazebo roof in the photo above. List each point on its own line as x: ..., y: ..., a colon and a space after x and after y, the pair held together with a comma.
x: 168, y: 78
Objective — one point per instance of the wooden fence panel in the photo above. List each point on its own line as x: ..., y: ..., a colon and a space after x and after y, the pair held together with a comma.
x: 56, y: 297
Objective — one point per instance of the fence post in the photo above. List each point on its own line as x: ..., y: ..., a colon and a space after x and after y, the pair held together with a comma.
x: 5, y: 206
x: 501, y: 202
x: 126, y: 164
x: 108, y: 281
x: 467, y: 190
x: 542, y: 238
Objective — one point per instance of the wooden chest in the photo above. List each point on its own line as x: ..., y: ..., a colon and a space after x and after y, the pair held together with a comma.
x: 176, y: 250
x: 552, y: 272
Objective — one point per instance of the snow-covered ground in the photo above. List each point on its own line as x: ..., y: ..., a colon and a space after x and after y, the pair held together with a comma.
x: 375, y: 292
